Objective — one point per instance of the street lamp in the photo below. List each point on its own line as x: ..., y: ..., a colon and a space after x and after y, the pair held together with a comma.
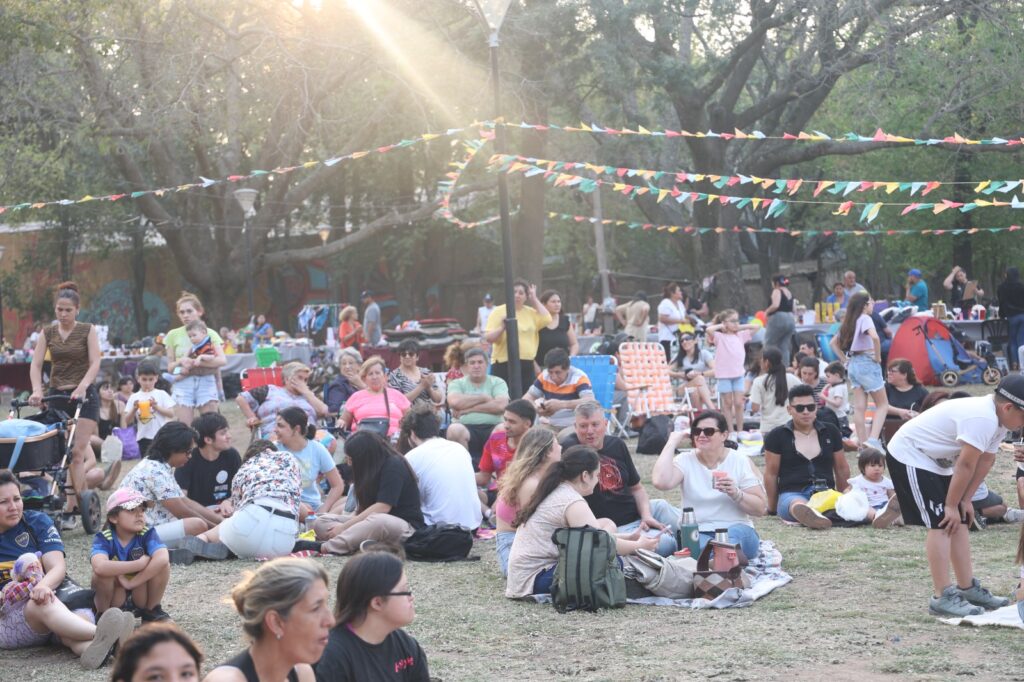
x: 2, y: 249
x: 493, y: 13
x: 246, y: 198
x: 325, y: 232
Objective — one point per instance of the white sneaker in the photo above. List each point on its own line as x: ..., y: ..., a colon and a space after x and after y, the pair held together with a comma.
x: 111, y: 450
x: 1014, y: 515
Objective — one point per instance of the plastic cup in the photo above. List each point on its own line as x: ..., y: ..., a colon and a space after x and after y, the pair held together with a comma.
x: 145, y: 410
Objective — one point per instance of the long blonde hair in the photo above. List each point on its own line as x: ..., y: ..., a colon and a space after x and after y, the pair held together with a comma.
x: 530, y: 458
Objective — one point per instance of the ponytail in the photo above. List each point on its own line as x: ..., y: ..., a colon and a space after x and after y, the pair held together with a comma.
x: 575, y: 461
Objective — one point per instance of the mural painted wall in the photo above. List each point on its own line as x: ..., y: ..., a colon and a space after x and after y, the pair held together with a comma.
x: 112, y: 306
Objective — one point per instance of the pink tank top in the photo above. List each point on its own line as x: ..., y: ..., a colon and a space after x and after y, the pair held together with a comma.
x: 505, y: 511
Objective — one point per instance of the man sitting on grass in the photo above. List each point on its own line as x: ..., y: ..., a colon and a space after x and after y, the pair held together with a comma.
x: 130, y: 565
x: 206, y: 477
x: 500, y: 449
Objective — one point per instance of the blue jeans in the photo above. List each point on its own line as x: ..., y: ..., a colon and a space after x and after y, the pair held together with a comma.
x: 503, y: 546
x: 1016, y: 340
x: 542, y: 583
x: 665, y: 514
x: 786, y: 499
x: 739, y: 534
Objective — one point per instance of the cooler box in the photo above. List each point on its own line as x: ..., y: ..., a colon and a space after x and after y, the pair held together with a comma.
x: 261, y: 376
x: 266, y: 356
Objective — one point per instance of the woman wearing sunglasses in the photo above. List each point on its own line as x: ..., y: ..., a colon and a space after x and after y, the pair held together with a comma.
x: 373, y: 604
x: 723, y: 486
x: 415, y: 382
x: 692, y: 365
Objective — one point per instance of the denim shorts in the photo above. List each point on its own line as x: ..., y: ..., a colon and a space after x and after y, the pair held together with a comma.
x: 787, y: 498
x: 865, y: 373
x: 732, y: 385
x: 195, y: 391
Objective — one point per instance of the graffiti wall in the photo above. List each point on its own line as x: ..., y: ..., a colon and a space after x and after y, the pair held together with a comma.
x: 112, y: 306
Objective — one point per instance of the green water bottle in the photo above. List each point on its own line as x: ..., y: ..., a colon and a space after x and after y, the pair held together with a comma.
x: 688, y: 535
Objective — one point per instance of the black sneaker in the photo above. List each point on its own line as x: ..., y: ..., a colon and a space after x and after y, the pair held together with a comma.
x: 307, y: 546
x: 214, y: 551
x: 154, y: 615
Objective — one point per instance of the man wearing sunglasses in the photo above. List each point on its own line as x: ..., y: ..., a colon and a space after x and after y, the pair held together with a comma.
x: 800, y: 457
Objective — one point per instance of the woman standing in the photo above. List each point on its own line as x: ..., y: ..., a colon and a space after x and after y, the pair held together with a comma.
x: 372, y: 605
x: 262, y: 404
x: 265, y: 497
x: 376, y: 401
x: 537, y: 451
x: 635, y: 317
x: 693, y: 366
x: 1011, y: 307
x: 956, y: 284
x: 722, y: 485
x: 350, y: 332
x: 857, y: 346
x: 559, y: 333
x: 75, y: 356
x: 558, y: 503
x: 285, y: 610
x: 195, y: 384
x: 671, y: 314
x: 345, y: 385
x: 781, y: 323
x: 529, y: 321
x: 769, y: 394
x: 387, y: 496
x: 415, y: 382
x: 262, y: 333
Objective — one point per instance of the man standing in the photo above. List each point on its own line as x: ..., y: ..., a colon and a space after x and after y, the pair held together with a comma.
x: 801, y: 457
x: 917, y: 290
x: 850, y: 284
x: 619, y: 495
x: 477, y: 401
x: 558, y: 390
x: 444, y: 473
x: 483, y: 312
x: 937, y: 460
x: 371, y: 319
x: 206, y: 477
x: 671, y: 314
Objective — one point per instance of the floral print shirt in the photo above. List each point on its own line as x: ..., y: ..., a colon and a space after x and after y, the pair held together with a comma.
x: 272, y: 474
x: 154, y: 480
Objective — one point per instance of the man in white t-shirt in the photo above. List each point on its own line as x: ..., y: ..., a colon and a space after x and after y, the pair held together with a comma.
x: 671, y: 313
x: 483, y: 312
x: 444, y: 472
x: 937, y: 460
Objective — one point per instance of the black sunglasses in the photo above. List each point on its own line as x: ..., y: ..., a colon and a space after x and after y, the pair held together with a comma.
x: 409, y: 352
x: 707, y: 432
x: 805, y: 408
x: 407, y: 593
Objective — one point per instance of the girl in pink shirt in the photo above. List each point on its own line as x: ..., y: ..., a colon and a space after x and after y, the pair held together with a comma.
x: 729, y: 337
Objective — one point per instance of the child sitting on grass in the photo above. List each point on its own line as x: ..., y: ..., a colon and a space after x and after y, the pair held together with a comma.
x: 130, y: 565
x: 885, y: 508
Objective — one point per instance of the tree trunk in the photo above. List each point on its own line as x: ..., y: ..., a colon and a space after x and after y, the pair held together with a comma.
x: 139, y: 279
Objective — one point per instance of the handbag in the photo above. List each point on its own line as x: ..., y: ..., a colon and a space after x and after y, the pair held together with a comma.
x: 378, y: 425
x: 712, y: 582
x: 669, y: 576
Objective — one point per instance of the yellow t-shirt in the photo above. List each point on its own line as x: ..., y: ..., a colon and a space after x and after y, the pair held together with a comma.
x: 529, y: 323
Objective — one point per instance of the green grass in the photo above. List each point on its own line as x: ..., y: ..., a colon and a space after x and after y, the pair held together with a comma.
x: 856, y: 610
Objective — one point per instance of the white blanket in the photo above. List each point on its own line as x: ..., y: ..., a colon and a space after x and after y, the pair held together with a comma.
x: 1008, y: 616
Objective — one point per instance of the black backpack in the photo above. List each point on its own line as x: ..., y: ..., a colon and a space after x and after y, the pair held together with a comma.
x: 444, y: 542
x: 654, y: 435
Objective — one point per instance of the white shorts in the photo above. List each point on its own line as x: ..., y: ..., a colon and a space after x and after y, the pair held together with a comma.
x: 254, y: 531
x: 171, y: 531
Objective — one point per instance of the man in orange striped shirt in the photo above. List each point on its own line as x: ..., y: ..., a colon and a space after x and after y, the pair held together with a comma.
x: 557, y: 391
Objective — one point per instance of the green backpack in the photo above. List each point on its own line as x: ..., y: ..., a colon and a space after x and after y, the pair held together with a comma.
x: 588, y: 575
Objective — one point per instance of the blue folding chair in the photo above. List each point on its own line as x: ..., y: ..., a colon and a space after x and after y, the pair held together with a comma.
x: 602, y: 370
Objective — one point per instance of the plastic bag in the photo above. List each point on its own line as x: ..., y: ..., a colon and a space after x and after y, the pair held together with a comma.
x: 824, y: 500
x: 853, y: 506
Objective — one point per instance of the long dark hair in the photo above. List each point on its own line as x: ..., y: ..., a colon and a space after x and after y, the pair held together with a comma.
x: 297, y: 418
x: 365, y: 577
x: 854, y: 309
x: 574, y: 462
x: 369, y: 453
x: 143, y: 640
x: 775, y: 377
x: 171, y: 438
x: 720, y: 422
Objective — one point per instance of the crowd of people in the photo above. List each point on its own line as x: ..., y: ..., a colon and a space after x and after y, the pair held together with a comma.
x: 380, y: 454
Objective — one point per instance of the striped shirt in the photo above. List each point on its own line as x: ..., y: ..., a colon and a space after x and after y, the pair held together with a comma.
x: 575, y: 387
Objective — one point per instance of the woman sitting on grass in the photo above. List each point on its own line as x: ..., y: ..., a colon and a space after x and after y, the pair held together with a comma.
x: 722, y: 485
x: 286, y: 612
x: 558, y: 503
x: 537, y: 451
x: 372, y: 604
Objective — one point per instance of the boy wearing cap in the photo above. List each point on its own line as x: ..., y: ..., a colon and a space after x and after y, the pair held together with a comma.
x: 917, y: 290
x: 130, y: 565
x: 937, y: 460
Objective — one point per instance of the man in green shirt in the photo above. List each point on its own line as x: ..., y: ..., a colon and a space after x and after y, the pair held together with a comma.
x: 477, y: 402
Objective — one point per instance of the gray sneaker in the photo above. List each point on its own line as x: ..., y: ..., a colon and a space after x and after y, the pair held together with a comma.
x: 213, y: 551
x: 1014, y: 515
x: 952, y: 604
x: 979, y: 596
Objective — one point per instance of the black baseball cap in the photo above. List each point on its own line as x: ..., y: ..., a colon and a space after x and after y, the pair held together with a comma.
x: 367, y: 293
x: 1012, y: 388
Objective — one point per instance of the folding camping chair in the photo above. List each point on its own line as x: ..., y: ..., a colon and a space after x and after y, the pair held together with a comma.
x: 602, y: 371
x: 643, y: 365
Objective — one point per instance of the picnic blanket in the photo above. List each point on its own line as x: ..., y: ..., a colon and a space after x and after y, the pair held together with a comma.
x: 1011, y: 616
x: 766, y: 575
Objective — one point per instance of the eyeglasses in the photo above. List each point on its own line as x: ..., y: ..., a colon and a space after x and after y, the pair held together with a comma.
x: 407, y: 593
x: 408, y: 353
x: 804, y: 408
x: 707, y: 432
x: 687, y: 338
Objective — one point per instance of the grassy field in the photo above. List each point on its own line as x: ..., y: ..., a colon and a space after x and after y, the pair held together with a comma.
x: 856, y: 610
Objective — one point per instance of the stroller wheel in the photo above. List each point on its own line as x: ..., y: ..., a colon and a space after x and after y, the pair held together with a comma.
x: 92, y: 515
x: 991, y: 376
x: 950, y: 378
